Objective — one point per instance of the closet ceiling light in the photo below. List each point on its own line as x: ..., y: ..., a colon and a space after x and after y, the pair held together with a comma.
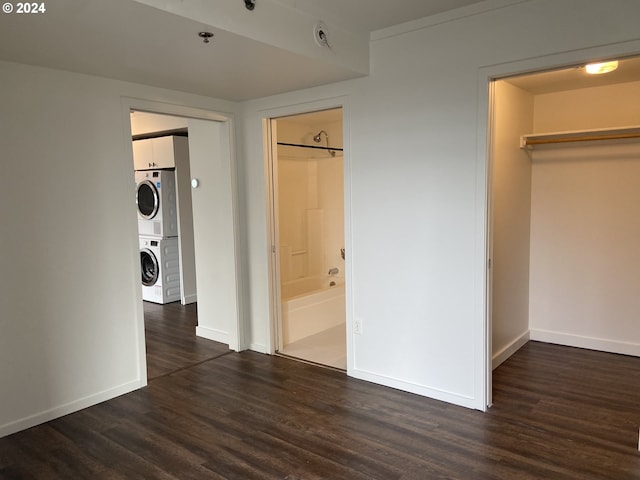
x: 598, y: 68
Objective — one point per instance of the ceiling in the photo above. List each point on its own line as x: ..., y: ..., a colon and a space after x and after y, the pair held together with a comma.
x: 128, y: 40
x: 134, y: 41
x: 575, y: 77
x: 371, y: 15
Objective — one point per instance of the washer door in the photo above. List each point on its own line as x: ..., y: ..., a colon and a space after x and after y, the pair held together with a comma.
x: 149, y: 267
x: 147, y: 199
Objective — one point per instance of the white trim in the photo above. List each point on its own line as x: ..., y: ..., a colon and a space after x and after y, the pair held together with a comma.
x: 482, y: 298
x: 559, y: 60
x: 486, y: 74
x: 71, y: 407
x: 236, y: 329
x: 150, y: 106
x: 213, y: 334
x: 410, y: 387
x: 348, y: 235
x: 260, y: 348
x: 342, y: 102
x: 486, y: 146
x: 445, y: 17
x: 193, y: 298
x: 236, y: 336
x: 141, y: 352
x: 500, y: 357
x: 270, y: 135
x: 591, y: 343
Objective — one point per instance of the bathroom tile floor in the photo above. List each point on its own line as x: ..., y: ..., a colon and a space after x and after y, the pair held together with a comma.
x: 328, y: 347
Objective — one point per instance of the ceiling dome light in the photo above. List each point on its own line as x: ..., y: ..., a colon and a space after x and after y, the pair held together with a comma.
x: 598, y: 68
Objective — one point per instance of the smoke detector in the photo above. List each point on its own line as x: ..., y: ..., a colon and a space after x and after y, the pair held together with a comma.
x: 321, y: 35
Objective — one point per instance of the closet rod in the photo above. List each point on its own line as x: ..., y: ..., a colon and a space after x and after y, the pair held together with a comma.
x: 584, y: 136
x: 318, y: 147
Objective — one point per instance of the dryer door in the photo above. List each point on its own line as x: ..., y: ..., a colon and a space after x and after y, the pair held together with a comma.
x: 147, y: 199
x: 149, y: 267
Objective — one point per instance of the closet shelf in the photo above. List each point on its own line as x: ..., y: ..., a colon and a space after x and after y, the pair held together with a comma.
x: 530, y: 140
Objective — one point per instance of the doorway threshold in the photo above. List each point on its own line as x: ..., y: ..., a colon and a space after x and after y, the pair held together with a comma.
x: 327, y: 347
x: 310, y: 362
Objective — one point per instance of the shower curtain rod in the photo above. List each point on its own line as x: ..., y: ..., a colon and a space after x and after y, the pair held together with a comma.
x: 318, y: 147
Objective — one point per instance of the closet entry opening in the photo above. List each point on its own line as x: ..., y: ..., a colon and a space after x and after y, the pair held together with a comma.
x: 565, y: 204
x: 308, y: 239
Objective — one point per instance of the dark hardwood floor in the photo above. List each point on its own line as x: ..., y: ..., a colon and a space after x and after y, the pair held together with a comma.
x: 170, y: 334
x: 559, y: 413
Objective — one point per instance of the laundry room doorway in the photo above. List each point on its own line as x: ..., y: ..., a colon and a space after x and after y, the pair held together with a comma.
x: 308, y: 264
x: 206, y: 192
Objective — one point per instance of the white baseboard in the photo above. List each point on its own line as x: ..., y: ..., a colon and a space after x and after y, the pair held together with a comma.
x: 188, y: 299
x: 257, y: 347
x: 603, y: 345
x: 425, y: 391
x: 212, y: 334
x: 506, y: 352
x: 71, y: 407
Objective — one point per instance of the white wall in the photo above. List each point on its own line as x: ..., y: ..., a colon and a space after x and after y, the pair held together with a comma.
x: 588, y: 108
x: 70, y: 296
x: 417, y: 187
x: 214, y: 231
x: 585, y: 224
x: 511, y: 203
x: 415, y: 208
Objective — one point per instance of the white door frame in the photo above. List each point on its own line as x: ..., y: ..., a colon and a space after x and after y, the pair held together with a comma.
x: 235, y: 336
x: 274, y: 287
x: 271, y: 138
x: 486, y: 75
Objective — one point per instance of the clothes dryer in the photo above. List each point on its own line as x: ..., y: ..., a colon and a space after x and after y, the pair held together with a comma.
x: 160, y: 268
x: 156, y: 201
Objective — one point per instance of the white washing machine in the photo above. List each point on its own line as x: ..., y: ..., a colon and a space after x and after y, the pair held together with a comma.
x: 160, y: 266
x: 156, y: 201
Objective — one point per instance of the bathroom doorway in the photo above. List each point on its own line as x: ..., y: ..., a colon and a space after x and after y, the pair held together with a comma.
x: 307, y: 172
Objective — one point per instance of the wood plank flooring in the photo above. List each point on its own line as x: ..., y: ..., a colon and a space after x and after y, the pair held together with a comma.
x: 560, y: 413
x: 170, y: 334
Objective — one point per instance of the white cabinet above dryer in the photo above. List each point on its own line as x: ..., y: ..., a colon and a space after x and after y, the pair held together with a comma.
x: 157, y: 153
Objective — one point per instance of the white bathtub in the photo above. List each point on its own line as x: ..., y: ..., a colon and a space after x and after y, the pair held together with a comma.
x: 310, y: 305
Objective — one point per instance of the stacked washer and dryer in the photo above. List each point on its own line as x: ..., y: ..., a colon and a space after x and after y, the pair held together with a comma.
x: 157, y: 225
